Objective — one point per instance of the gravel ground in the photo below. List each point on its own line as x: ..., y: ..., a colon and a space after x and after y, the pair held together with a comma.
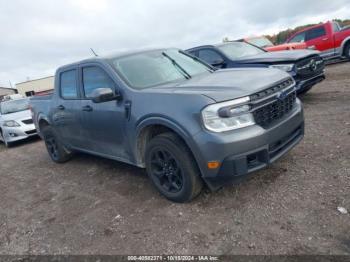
x: 96, y: 206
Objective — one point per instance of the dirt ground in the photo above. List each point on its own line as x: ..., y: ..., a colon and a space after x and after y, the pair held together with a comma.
x: 96, y: 206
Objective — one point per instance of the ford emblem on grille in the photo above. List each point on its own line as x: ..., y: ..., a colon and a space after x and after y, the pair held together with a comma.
x: 282, y: 95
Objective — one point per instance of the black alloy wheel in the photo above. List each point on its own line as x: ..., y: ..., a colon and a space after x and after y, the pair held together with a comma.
x: 52, y: 147
x: 172, y: 168
x: 166, y: 171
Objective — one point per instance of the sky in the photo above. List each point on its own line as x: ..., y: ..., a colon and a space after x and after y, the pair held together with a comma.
x: 38, y: 36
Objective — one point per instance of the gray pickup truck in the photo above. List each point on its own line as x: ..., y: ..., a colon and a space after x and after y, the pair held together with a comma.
x: 168, y: 112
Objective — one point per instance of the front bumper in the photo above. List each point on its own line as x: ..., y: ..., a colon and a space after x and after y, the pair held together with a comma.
x: 305, y: 85
x: 246, y: 150
x: 12, y: 134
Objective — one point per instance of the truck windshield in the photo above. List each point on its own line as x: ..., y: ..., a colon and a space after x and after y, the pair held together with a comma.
x: 144, y: 70
x: 14, y: 106
x: 239, y: 50
x: 260, y: 41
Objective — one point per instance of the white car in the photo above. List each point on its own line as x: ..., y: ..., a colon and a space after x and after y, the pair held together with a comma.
x: 15, y: 121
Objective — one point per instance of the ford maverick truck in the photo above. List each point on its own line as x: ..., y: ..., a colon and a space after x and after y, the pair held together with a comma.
x: 168, y: 112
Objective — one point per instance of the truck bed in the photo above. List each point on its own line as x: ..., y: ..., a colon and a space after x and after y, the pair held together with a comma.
x: 41, y: 97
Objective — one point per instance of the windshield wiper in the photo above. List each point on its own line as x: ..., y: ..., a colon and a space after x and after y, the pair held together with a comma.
x: 210, y: 68
x: 186, y: 75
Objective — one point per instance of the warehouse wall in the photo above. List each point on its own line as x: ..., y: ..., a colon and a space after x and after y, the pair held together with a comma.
x: 6, y: 91
x: 34, y: 86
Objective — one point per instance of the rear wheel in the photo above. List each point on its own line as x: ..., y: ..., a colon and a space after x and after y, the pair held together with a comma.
x: 55, y: 148
x: 172, y: 168
x: 347, y: 51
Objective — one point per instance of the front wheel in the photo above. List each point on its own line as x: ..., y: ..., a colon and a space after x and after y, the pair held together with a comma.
x: 172, y: 168
x: 55, y: 148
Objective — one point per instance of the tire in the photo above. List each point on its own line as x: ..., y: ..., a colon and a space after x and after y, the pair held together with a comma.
x: 347, y: 51
x: 304, y: 91
x: 55, y: 148
x: 172, y: 168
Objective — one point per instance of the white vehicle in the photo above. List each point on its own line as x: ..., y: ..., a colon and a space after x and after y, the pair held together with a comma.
x: 15, y: 121
x: 12, y: 97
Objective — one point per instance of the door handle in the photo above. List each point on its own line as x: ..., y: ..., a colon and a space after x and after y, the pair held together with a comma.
x: 87, y: 108
x: 324, y: 39
x: 60, y: 107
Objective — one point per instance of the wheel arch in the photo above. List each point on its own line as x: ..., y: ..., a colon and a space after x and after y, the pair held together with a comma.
x: 344, y: 44
x: 151, y: 127
x: 42, y: 122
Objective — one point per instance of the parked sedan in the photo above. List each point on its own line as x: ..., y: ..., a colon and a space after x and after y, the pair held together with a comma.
x: 15, y: 121
x: 305, y: 66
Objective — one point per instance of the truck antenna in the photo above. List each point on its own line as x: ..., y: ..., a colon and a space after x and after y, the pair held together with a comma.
x: 92, y: 50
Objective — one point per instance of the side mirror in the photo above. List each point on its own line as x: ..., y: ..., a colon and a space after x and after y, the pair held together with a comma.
x: 218, y: 63
x: 101, y: 95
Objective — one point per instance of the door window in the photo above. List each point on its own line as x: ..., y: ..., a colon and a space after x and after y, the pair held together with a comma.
x: 336, y: 27
x: 315, y: 33
x: 68, y: 84
x: 93, y: 78
x: 209, y: 56
x: 298, y: 38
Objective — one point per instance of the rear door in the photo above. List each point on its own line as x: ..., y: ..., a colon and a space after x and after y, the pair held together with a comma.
x: 66, y: 108
x: 102, y: 123
x: 321, y: 40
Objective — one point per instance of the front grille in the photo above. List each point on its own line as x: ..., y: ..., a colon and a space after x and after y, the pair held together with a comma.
x: 30, y: 132
x: 268, y: 114
x: 309, y: 67
x: 28, y: 121
x: 271, y: 90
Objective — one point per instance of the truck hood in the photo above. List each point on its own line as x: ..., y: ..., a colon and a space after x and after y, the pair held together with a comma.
x: 16, y: 116
x: 227, y: 84
x: 278, y: 56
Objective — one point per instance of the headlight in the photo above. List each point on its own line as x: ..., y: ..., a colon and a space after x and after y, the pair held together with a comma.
x: 229, y: 115
x: 11, y: 123
x: 284, y: 67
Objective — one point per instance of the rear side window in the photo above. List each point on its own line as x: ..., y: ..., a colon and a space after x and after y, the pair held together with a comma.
x: 93, y: 78
x: 68, y: 84
x: 315, y: 33
x: 298, y: 38
x: 209, y: 56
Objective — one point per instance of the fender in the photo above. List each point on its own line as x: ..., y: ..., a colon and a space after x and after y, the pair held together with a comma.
x: 162, y: 120
x: 40, y: 117
x: 342, y: 46
x: 169, y: 123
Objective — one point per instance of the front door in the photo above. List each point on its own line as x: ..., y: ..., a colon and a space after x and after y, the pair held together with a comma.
x: 102, y: 124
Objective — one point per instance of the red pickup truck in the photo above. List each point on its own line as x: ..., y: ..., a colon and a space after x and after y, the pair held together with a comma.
x: 329, y: 38
x: 264, y: 43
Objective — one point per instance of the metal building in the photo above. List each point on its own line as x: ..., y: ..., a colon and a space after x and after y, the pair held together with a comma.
x: 36, y: 86
x: 4, y: 91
